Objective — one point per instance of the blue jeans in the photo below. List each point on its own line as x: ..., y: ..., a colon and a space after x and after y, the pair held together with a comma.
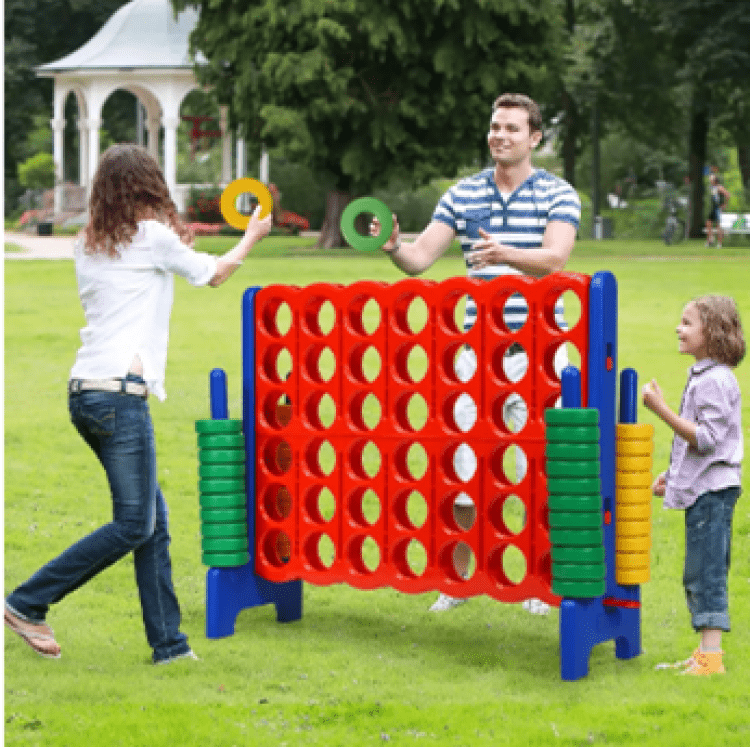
x: 708, y: 541
x: 118, y: 429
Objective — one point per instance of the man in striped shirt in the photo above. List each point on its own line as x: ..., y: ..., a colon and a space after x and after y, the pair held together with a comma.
x: 510, y: 219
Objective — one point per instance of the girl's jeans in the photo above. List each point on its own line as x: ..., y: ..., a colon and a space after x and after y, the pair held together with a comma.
x: 708, y: 541
x: 118, y: 428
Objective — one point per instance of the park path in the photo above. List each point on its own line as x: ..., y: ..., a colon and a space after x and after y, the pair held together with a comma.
x: 39, y: 247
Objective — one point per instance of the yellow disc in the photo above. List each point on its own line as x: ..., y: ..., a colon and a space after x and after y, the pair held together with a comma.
x: 632, y: 528
x: 634, y: 431
x: 633, y: 479
x: 639, y: 463
x: 633, y: 511
x: 631, y: 578
x: 632, y: 544
x: 633, y: 448
x: 633, y: 495
x: 631, y: 561
x: 238, y: 187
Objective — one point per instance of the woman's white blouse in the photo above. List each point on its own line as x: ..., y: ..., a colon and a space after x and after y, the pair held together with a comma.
x: 127, y: 302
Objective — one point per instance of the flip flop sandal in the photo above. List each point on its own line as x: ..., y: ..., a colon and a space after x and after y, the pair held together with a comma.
x: 33, y: 637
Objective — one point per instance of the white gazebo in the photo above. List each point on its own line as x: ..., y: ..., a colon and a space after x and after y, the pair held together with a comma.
x: 143, y: 48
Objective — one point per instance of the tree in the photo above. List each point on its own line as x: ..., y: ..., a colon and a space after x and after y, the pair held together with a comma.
x: 37, y: 172
x: 367, y: 93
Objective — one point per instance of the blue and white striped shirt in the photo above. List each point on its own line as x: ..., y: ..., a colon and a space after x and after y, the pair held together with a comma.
x: 476, y: 202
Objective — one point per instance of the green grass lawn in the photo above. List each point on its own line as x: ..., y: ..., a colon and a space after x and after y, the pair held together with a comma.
x: 360, y: 667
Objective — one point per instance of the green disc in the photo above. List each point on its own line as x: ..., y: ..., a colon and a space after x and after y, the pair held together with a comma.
x: 576, y: 537
x: 221, y: 456
x: 572, y: 452
x: 237, y: 529
x: 591, y: 502
x: 218, y: 426
x: 577, y: 554
x: 579, y: 571
x: 579, y: 589
x: 558, y: 468
x: 225, y: 560
x: 572, y: 434
x: 222, y: 470
x: 571, y: 416
x: 574, y: 485
x: 367, y: 205
x: 224, y: 544
x: 223, y: 500
x: 223, y: 515
x: 577, y: 520
x: 221, y: 441
x: 220, y: 485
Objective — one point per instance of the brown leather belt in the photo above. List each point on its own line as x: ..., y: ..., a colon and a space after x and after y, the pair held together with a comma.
x: 108, y: 385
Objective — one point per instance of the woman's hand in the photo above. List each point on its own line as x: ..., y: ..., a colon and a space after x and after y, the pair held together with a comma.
x: 258, y: 228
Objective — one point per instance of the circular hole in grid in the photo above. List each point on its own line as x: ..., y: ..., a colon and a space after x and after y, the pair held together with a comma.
x: 277, y: 410
x: 410, y: 314
x: 465, y: 313
x: 364, y: 554
x: 514, y: 564
x: 277, y: 364
x: 508, y: 464
x: 411, y: 411
x: 319, y: 316
x: 276, y: 318
x: 364, y: 506
x: 365, y: 363
x: 277, y: 456
x: 320, y: 363
x: 319, y: 551
x: 510, y: 413
x: 512, y: 514
x: 365, y: 459
x: 364, y: 315
x: 410, y: 509
x: 320, y: 504
x: 320, y: 410
x: 457, y: 561
x: 277, y: 502
x: 465, y: 363
x: 411, y: 461
x: 564, y: 312
x: 365, y: 411
x: 410, y: 558
x: 557, y: 357
x: 277, y: 548
x: 410, y: 363
x: 458, y: 511
x: 464, y: 412
x: 464, y: 462
x: 320, y: 458
x: 510, y: 312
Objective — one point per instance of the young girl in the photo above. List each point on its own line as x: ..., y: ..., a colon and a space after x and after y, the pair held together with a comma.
x: 125, y: 263
x: 704, y: 468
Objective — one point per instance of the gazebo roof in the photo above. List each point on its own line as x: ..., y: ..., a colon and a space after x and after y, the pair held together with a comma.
x: 141, y: 34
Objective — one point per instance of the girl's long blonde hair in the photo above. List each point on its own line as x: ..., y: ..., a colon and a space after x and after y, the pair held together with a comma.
x: 725, y: 341
x: 128, y: 186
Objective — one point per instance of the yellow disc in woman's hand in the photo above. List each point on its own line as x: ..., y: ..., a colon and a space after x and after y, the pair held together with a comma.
x: 239, y: 186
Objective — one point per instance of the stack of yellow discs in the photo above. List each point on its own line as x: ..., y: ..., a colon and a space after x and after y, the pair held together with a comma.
x: 634, y: 446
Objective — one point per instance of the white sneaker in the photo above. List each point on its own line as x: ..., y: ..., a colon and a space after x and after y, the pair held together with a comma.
x: 536, y: 607
x: 444, y: 603
x: 187, y: 655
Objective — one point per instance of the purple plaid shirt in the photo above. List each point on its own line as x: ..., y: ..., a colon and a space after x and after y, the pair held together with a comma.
x: 711, y: 400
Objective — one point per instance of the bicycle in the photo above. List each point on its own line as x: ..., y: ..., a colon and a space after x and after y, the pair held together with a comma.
x: 674, y: 228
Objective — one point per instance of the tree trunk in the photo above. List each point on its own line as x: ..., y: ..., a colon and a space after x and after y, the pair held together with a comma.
x: 570, y: 138
x: 330, y: 232
x: 697, y: 162
x: 743, y: 158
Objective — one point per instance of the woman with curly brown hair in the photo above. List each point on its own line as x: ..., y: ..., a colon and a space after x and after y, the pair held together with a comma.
x: 125, y: 263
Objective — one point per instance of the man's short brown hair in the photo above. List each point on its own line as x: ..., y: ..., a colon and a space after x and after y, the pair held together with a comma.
x: 521, y: 101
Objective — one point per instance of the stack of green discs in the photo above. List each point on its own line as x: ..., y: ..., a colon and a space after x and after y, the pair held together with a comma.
x: 221, y: 484
x: 575, y: 502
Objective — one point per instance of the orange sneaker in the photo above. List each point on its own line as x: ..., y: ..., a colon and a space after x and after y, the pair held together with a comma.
x: 706, y: 662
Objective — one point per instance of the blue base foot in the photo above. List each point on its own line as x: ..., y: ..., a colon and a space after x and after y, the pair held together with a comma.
x: 231, y: 590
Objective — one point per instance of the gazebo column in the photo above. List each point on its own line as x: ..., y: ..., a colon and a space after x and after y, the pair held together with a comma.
x: 58, y: 148
x: 83, y: 153
x: 226, y: 146
x: 153, y: 126
x: 170, y: 157
x: 93, y: 128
